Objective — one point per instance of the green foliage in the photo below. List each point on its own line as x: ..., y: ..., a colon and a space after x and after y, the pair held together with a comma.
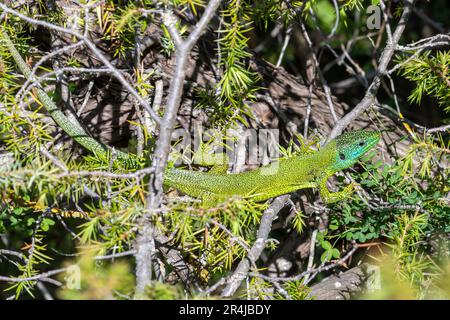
x: 29, y: 267
x: 205, y: 236
x: 296, y: 290
x: 430, y: 74
x: 233, y: 51
x: 118, y: 24
x: 406, y: 234
x: 237, y: 82
x: 430, y: 149
x: 265, y: 290
x: 329, y: 252
x: 299, y: 222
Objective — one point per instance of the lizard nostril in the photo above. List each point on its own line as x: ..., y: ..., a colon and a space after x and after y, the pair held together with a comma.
x: 361, y: 144
x: 342, y: 156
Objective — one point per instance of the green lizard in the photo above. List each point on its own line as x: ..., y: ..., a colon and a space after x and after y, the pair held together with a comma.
x: 298, y: 172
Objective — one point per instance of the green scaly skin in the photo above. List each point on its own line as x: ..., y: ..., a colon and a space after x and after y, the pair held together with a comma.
x: 74, y: 130
x: 298, y: 172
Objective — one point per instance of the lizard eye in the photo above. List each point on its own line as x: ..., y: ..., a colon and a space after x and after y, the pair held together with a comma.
x: 342, y: 156
x: 361, y: 143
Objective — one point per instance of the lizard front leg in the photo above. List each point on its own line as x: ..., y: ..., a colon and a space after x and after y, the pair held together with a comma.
x: 331, y: 197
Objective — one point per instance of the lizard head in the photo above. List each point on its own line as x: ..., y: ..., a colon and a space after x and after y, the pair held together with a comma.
x: 352, y: 145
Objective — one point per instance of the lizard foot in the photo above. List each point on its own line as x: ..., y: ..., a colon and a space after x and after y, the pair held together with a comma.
x: 332, y: 197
